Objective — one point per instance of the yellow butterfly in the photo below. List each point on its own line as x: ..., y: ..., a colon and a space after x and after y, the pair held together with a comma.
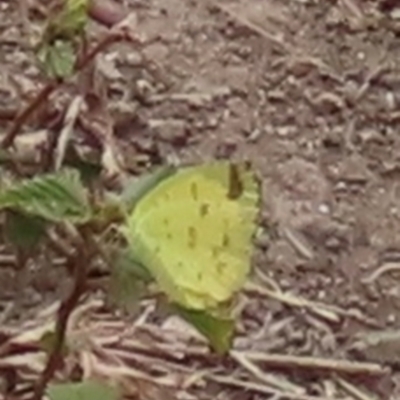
x: 194, y: 231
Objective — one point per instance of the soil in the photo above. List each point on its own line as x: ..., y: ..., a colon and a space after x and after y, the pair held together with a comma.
x: 308, y: 91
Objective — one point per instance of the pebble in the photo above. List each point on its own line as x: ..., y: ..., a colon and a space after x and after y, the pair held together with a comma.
x: 391, y: 319
x: 169, y: 130
x: 254, y: 135
x: 226, y: 148
x: 30, y: 297
x: 324, y: 209
x: 328, y: 103
x: 332, y: 243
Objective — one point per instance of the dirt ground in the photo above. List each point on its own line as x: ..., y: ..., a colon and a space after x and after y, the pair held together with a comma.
x: 308, y: 91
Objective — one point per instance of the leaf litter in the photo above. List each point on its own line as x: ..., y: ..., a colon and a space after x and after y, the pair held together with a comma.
x: 284, y: 334
x: 133, y: 354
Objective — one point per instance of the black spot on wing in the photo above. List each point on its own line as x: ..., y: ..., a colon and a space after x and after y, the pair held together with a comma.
x: 192, y: 237
x: 194, y: 191
x: 204, y: 209
x: 235, y: 183
x: 225, y: 240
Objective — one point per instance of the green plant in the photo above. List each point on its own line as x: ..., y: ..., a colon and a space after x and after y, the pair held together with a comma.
x: 63, y: 53
x: 62, y: 210
x: 60, y: 203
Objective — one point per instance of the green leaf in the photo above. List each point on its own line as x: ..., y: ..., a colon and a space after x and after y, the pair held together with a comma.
x: 138, y: 187
x: 58, y: 59
x: 217, y: 329
x: 24, y: 231
x: 57, y: 197
x: 87, y: 390
x: 71, y: 20
x: 58, y: 49
x: 128, y: 281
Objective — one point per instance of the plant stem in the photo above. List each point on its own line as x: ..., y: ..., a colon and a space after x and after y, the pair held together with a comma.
x: 50, y: 87
x: 80, y: 263
x: 23, y: 116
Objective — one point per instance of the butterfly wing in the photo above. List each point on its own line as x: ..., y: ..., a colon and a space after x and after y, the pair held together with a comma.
x: 194, y: 232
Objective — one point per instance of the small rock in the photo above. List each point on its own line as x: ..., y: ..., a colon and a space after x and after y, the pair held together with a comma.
x: 296, y: 336
x: 360, y: 55
x: 236, y: 106
x: 169, y: 130
x: 30, y: 297
x: 123, y: 110
x: 390, y: 101
x: 156, y: 52
x: 353, y: 300
x: 286, y: 131
x: 324, y: 209
x: 285, y: 284
x: 133, y: 58
x: 332, y: 139
x: 145, y: 144
x: 276, y: 95
x: 144, y: 89
x: 212, y: 122
x: 333, y: 243
x: 371, y: 293
x: 333, y: 18
x: 370, y: 136
x: 395, y: 14
x: 354, y: 170
x: 321, y: 295
x: 391, y: 319
x: 226, y: 148
x: 328, y: 103
x: 350, y: 91
x: 108, y: 69
x: 302, y: 67
x: 340, y: 186
x: 254, y: 135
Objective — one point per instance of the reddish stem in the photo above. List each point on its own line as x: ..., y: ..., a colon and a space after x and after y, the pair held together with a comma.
x: 67, y: 306
x: 24, y: 115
